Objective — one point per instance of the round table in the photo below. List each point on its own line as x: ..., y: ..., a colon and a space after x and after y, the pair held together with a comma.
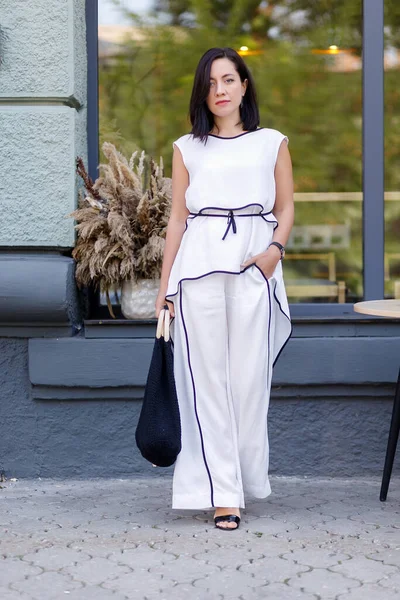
x: 389, y: 309
x: 379, y: 308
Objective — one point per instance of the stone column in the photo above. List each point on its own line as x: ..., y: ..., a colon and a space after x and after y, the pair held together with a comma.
x: 43, y: 77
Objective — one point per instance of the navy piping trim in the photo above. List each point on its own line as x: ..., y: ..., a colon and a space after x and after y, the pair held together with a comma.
x: 235, y: 136
x: 291, y: 327
x: 232, y: 215
x: 266, y: 220
x: 279, y: 304
x: 188, y: 218
x: 232, y: 208
x: 195, y: 403
x: 238, y: 273
x: 206, y: 275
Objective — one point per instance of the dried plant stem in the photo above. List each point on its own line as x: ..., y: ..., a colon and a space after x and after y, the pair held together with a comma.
x: 120, y: 223
x: 109, y: 305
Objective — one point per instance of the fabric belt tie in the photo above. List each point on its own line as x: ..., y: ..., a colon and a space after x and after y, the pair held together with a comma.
x: 231, y: 219
x: 231, y: 223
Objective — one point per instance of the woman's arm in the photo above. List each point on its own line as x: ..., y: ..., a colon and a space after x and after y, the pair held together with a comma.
x: 284, y: 205
x: 176, y: 226
x: 283, y: 211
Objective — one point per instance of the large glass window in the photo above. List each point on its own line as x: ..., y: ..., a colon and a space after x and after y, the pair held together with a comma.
x: 306, y: 58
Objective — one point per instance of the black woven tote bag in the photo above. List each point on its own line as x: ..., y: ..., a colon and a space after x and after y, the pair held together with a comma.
x: 158, y: 432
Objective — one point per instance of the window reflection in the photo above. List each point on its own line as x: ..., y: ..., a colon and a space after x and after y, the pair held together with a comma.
x: 306, y: 60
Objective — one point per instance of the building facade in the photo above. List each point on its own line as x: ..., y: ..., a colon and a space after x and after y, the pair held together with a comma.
x: 71, y: 382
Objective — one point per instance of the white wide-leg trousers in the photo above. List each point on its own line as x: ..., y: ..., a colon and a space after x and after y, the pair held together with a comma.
x: 222, y: 334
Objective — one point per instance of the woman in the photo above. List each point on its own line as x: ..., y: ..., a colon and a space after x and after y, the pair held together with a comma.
x: 222, y: 281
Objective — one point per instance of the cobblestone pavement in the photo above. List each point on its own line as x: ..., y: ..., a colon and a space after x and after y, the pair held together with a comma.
x: 119, y: 539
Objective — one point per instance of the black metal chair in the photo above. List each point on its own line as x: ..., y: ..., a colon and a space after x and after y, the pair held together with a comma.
x: 392, y: 442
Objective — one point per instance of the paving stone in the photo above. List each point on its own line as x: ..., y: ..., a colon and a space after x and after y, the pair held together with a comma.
x: 370, y: 591
x: 275, y: 569
x: 140, y: 584
x: 364, y: 569
x: 272, y: 526
x: 102, y: 547
x: 317, y: 557
x: 322, y: 582
x: 309, y: 536
x: 338, y: 510
x: 187, y: 546
x: 142, y: 557
x: 7, y: 594
x: 231, y: 583
x: 231, y: 558
x: 391, y: 582
x: 281, y: 591
x: 119, y: 539
x: 347, y: 527
x: 185, y: 591
x: 54, y: 558
x: 47, y: 586
x: 95, y: 592
x: 387, y: 557
x: 175, y: 571
x: 300, y: 501
x: 96, y: 571
x: 381, y: 517
x: 13, y: 569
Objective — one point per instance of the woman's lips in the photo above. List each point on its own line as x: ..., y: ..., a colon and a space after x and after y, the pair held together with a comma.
x: 223, y: 102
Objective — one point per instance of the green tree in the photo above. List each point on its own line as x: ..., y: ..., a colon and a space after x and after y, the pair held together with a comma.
x: 145, y: 91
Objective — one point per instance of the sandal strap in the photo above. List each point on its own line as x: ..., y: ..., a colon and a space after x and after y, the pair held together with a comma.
x: 229, y: 518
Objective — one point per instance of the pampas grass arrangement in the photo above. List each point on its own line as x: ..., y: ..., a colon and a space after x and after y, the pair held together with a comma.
x: 121, y: 223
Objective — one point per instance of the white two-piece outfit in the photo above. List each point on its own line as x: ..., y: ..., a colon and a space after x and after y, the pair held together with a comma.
x: 231, y: 322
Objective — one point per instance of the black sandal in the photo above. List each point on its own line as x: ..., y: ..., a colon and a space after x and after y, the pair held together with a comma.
x: 230, y: 519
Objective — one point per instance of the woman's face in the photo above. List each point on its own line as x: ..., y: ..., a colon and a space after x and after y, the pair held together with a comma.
x: 226, y: 89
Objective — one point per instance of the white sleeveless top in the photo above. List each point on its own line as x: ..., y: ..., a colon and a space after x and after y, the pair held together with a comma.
x: 237, y: 174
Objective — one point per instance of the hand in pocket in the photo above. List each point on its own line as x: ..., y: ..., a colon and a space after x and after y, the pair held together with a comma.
x: 266, y: 261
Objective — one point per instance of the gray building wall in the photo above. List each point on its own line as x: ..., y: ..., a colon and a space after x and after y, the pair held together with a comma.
x: 75, y: 421
x: 70, y: 392
x: 42, y: 119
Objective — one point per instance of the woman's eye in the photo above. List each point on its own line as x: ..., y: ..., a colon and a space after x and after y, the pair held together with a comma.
x: 227, y: 80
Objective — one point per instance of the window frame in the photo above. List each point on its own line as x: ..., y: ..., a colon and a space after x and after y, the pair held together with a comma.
x: 373, y: 224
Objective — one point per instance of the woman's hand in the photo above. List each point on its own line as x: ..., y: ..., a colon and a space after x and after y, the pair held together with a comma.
x: 160, y: 303
x: 266, y: 261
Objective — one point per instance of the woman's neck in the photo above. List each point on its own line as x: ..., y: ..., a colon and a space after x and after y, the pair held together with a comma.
x: 227, y: 131
x: 228, y: 126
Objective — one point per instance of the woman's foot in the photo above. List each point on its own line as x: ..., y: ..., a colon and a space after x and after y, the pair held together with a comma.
x: 221, y: 511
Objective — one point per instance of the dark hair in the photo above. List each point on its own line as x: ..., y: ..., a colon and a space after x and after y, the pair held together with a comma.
x: 201, y: 118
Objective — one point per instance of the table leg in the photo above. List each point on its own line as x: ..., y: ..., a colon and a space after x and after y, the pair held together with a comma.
x: 392, y: 442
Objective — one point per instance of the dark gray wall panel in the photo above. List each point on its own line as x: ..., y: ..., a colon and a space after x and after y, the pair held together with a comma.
x: 19, y: 445
x: 115, y: 363
x: 317, y: 361
x: 38, y: 289
x: 356, y: 325
x: 329, y: 438
x: 76, y: 362
x: 319, y: 430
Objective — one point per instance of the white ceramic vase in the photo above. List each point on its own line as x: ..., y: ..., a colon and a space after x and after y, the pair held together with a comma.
x: 138, y: 298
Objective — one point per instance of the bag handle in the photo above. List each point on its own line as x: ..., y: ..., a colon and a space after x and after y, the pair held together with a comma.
x: 163, y: 324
